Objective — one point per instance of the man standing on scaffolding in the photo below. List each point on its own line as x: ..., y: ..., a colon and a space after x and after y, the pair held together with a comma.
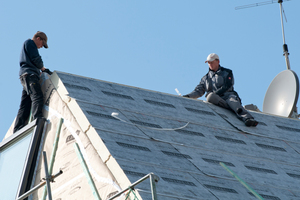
x: 30, y: 66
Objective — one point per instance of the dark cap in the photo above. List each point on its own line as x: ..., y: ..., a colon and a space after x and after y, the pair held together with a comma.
x: 43, y: 36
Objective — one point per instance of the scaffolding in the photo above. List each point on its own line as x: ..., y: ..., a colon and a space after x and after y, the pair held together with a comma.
x: 49, y: 178
x: 153, y: 179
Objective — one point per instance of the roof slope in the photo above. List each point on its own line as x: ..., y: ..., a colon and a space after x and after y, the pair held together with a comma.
x: 185, y: 159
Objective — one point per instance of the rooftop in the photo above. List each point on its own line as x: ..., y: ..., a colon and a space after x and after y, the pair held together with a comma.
x: 180, y: 140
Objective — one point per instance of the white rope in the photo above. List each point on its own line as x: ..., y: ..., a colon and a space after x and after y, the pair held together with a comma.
x: 115, y: 114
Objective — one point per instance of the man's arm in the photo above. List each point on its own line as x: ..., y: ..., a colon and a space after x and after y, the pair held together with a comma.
x: 228, y: 83
x: 34, y: 55
x: 198, y: 91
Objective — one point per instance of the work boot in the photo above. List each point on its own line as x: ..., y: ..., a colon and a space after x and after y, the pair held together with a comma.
x: 251, y: 122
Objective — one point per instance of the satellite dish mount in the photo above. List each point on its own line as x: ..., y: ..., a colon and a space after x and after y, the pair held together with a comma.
x: 282, y: 95
x: 283, y: 92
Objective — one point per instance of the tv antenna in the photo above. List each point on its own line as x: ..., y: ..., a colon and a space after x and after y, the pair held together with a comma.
x: 283, y: 92
x: 285, y: 47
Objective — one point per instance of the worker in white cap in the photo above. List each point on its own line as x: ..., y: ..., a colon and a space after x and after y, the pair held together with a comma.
x: 218, y: 84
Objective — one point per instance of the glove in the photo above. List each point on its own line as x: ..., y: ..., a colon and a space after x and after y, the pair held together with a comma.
x: 47, y: 71
x: 187, y: 96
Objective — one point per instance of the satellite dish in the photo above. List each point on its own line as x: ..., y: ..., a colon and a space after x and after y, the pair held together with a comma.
x: 282, y: 95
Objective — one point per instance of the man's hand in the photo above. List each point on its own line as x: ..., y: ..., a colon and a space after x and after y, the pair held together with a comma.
x: 47, y: 71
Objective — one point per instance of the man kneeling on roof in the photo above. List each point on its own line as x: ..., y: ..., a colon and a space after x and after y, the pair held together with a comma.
x: 218, y: 83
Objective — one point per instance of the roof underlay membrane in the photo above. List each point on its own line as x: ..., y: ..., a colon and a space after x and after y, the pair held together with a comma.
x: 180, y: 140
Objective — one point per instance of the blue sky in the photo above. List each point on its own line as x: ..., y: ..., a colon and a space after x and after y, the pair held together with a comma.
x: 155, y: 45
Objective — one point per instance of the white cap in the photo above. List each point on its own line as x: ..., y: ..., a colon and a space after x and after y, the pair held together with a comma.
x: 212, y: 57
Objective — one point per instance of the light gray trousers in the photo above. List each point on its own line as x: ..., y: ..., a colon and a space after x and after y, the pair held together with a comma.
x: 232, y: 103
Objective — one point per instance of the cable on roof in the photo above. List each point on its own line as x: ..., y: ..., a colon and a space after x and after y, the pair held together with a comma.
x: 115, y: 114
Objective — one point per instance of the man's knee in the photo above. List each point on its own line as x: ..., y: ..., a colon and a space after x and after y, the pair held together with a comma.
x: 213, y: 98
x: 234, y: 98
x: 216, y: 99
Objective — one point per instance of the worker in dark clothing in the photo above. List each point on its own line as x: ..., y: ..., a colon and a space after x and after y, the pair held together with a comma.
x: 30, y: 66
x: 218, y: 83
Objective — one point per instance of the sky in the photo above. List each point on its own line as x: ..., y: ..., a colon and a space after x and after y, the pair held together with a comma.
x: 155, y: 45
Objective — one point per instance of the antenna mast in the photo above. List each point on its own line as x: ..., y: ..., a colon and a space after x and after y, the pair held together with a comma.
x: 285, y: 47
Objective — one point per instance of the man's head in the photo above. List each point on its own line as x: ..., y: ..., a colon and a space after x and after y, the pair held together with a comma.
x: 213, y: 61
x: 40, y: 39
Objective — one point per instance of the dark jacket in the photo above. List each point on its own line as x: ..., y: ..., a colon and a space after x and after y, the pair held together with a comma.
x: 219, y: 82
x: 30, y: 59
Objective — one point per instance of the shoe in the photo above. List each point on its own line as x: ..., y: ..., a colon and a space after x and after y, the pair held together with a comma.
x: 251, y: 122
x: 239, y: 111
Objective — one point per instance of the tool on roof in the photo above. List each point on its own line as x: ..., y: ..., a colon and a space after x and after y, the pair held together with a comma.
x: 177, y: 91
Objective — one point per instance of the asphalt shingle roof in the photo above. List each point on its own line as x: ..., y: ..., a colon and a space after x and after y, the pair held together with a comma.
x: 187, y: 160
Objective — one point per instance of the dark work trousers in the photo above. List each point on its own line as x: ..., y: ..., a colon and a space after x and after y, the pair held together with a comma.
x: 232, y: 102
x: 32, y: 97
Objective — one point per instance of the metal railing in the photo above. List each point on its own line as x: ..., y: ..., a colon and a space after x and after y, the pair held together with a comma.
x: 153, y: 179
